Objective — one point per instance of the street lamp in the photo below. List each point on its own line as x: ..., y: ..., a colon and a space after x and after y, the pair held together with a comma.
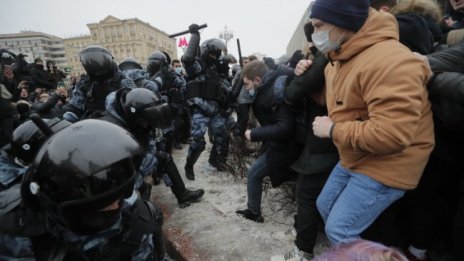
x: 227, y: 34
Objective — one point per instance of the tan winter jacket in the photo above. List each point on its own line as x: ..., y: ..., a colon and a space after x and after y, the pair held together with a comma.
x: 377, y: 98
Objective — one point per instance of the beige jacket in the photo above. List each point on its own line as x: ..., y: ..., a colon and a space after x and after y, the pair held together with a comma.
x: 376, y: 96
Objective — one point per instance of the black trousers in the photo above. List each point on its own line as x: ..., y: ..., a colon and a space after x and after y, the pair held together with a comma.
x: 307, y: 220
x: 243, y: 112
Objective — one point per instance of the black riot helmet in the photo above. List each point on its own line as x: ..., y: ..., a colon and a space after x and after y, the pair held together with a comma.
x: 212, y: 49
x: 156, y: 61
x: 79, y: 172
x: 98, y: 62
x: 27, y: 139
x: 129, y: 64
x: 144, y: 107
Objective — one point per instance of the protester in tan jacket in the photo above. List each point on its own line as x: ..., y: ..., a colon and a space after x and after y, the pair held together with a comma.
x: 379, y: 114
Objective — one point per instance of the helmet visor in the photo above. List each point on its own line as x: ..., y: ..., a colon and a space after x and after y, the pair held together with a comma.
x: 158, y: 114
x: 154, y: 66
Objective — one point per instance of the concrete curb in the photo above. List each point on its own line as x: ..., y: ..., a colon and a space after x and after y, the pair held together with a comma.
x: 179, y: 245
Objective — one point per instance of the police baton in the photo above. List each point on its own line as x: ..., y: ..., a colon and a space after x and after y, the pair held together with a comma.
x: 239, y: 53
x: 41, y: 124
x: 187, y: 31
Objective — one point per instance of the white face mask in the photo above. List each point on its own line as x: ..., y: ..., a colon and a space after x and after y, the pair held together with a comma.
x: 178, y: 70
x: 322, y: 41
x: 252, y: 92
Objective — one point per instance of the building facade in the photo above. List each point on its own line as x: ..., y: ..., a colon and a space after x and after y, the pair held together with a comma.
x: 36, y: 45
x: 124, y: 38
x: 298, y: 40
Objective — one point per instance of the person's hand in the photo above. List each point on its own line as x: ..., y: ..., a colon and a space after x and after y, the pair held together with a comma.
x: 248, y: 135
x: 168, y: 74
x: 8, y: 72
x: 24, y: 93
x: 22, y: 85
x: 458, y: 5
x: 322, y: 127
x: 61, y: 91
x: 193, y: 29
x: 302, y: 66
x: 270, y: 63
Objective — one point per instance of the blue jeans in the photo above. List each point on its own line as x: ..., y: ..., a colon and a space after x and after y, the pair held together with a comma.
x: 350, y: 202
x: 256, y: 174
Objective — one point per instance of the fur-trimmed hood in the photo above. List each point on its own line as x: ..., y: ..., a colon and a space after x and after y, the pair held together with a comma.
x: 426, y: 8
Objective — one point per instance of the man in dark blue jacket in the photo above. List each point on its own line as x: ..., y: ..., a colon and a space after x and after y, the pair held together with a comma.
x: 276, y: 131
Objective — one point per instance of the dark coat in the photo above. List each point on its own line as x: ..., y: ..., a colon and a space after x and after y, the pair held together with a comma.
x: 318, y: 155
x: 446, y: 92
x: 446, y: 88
x: 415, y: 33
x: 49, y: 109
x: 277, y: 127
x: 40, y: 77
x: 265, y: 101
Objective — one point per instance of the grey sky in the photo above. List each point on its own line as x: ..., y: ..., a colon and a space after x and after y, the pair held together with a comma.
x: 264, y: 26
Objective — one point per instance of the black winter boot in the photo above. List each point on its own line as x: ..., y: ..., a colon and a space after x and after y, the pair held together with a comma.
x: 217, y: 161
x: 192, y: 157
x: 248, y: 214
x: 190, y: 196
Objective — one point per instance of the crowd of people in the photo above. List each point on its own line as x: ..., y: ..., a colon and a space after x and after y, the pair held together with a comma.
x: 367, y: 120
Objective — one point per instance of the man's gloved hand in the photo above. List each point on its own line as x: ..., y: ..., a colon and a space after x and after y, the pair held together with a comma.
x: 270, y: 63
x: 194, y: 29
x: 168, y: 74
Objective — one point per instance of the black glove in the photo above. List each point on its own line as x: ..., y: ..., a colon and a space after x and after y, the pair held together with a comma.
x: 194, y: 29
x: 168, y: 74
x: 270, y: 63
x: 296, y: 57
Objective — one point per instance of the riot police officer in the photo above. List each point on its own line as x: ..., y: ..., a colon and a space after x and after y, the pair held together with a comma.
x: 207, y: 92
x: 140, y: 111
x: 132, y: 69
x: 103, y: 77
x: 18, y: 223
x: 81, y: 187
x: 173, y: 87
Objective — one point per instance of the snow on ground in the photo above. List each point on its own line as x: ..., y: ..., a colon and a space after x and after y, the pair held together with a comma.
x: 212, y: 225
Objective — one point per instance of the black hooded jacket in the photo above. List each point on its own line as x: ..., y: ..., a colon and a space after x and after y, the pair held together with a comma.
x: 446, y: 92
x: 277, y: 125
x: 318, y: 155
x: 40, y: 77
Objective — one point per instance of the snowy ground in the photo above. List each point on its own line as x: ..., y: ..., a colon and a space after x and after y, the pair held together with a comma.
x: 212, y: 226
